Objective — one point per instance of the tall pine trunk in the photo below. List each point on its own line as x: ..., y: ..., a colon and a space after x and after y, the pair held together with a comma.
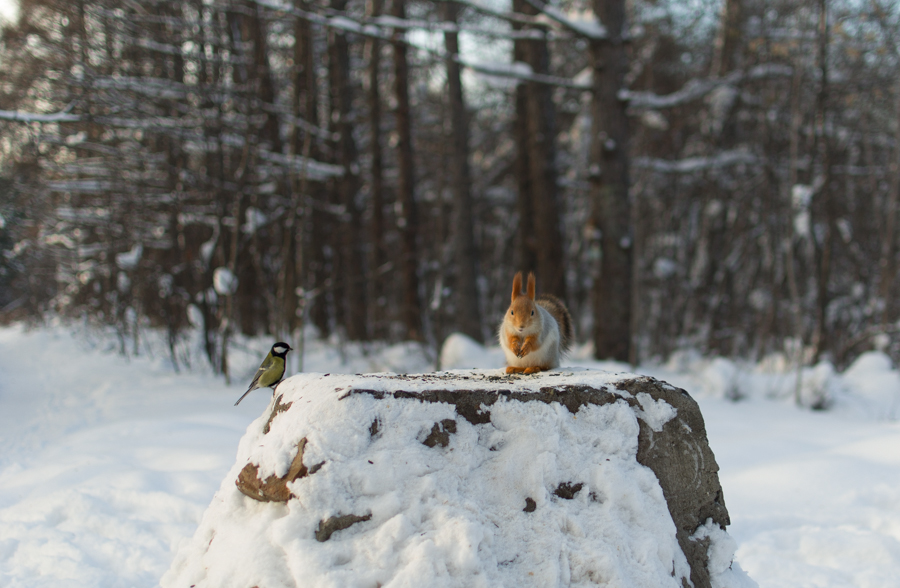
x: 351, y: 291
x: 465, y: 251
x: 317, y: 224
x: 525, y: 250
x: 823, y: 208
x: 540, y: 216
x: 378, y: 256
x: 407, y: 217
x: 612, y: 293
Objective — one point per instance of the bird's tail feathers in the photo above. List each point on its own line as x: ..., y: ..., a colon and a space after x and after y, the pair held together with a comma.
x: 244, y: 396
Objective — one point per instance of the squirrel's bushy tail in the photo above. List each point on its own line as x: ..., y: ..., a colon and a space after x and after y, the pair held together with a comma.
x: 558, y: 310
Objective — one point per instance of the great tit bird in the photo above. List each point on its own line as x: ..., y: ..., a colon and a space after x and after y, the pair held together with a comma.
x: 270, y: 370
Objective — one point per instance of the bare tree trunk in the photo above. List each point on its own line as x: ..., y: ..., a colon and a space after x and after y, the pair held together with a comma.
x: 727, y: 51
x: 377, y: 304
x: 317, y: 224
x: 887, y: 263
x: 211, y: 77
x: 256, y: 33
x: 824, y: 214
x: 407, y: 218
x: 352, y: 289
x: 790, y: 262
x: 292, y: 248
x: 609, y: 189
x: 468, y: 317
x: 174, y: 307
x: 542, y: 166
x: 239, y: 170
x: 541, y: 225
x: 526, y: 248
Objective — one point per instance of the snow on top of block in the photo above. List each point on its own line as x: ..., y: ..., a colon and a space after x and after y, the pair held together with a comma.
x: 536, y: 495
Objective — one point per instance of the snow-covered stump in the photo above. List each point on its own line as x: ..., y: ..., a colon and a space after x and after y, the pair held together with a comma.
x: 468, y: 478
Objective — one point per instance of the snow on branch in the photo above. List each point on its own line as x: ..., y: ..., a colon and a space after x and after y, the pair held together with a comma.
x: 306, y: 126
x: 696, y: 164
x: 381, y: 26
x: 517, y: 71
x: 29, y: 117
x: 508, y: 16
x: 341, y: 22
x: 592, y: 29
x: 314, y: 170
x: 282, y: 6
x: 149, y: 122
x: 81, y: 186
x: 156, y: 87
x: 393, y: 22
x: 696, y: 89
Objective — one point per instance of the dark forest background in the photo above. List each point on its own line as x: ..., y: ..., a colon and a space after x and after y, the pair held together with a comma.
x: 715, y: 175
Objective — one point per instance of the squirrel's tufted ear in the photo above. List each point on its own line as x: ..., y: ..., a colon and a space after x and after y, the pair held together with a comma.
x: 531, y: 285
x: 517, y: 286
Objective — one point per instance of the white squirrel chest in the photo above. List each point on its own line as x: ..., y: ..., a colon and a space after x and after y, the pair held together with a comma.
x: 547, y: 353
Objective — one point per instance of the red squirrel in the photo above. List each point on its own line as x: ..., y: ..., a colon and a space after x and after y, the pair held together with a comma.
x: 535, y: 332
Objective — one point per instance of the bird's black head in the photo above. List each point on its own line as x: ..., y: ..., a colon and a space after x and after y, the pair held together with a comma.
x: 280, y: 349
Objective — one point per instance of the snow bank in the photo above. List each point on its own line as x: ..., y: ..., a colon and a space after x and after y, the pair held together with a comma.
x: 460, y: 479
x: 818, y: 386
x: 877, y: 385
x: 107, y: 464
x: 462, y: 352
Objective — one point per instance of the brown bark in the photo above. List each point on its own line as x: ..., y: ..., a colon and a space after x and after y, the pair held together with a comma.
x: 790, y: 262
x: 174, y: 308
x: 236, y: 305
x: 609, y: 189
x: 255, y: 32
x: 407, y: 218
x: 468, y: 318
x: 294, y: 251
x: 823, y: 209
x: 727, y: 51
x: 317, y: 224
x: 540, y: 229
x: 525, y: 251
x: 542, y: 166
x: 377, y: 305
x: 350, y: 294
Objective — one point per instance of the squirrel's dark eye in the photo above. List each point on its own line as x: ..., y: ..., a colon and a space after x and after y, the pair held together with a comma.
x: 532, y: 313
x: 511, y: 312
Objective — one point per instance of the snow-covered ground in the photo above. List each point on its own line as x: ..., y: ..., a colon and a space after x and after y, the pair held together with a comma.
x: 107, y: 464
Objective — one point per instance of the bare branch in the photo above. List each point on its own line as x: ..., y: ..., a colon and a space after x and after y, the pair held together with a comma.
x: 30, y: 117
x: 696, y: 89
x: 512, y: 17
x: 696, y: 164
x: 590, y: 29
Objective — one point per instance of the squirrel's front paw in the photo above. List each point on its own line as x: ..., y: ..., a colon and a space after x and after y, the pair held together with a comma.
x: 527, y: 347
x: 515, y: 345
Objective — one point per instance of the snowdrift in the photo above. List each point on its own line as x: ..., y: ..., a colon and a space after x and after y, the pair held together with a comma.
x: 468, y: 478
